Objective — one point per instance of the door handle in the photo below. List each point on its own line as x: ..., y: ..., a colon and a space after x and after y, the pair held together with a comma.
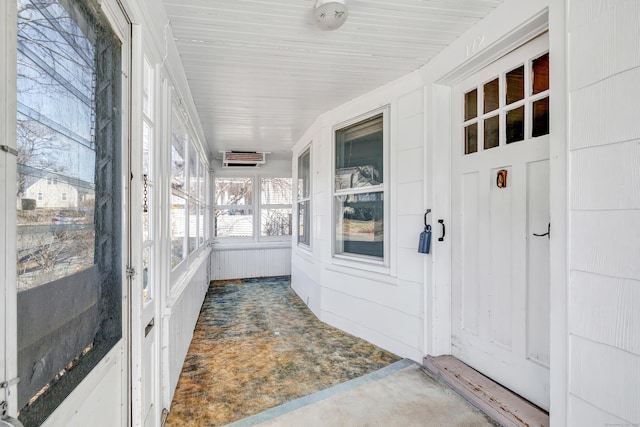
x: 441, y: 222
x: 548, y: 233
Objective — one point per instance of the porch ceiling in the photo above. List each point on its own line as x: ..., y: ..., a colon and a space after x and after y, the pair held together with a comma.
x: 261, y: 72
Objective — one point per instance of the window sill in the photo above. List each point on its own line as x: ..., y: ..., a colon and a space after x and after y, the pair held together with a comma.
x: 355, y: 269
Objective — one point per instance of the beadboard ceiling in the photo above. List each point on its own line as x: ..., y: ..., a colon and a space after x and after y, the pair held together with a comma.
x: 261, y: 72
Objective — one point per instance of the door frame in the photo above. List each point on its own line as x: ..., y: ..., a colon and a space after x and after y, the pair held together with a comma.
x: 486, y: 42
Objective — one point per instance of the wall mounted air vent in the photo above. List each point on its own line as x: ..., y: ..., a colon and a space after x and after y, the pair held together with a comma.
x: 243, y: 159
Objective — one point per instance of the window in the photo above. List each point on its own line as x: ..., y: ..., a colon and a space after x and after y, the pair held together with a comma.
x: 233, y: 207
x: 64, y: 197
x: 304, y: 198
x: 508, y: 109
x: 275, y: 206
x: 68, y: 261
x: 179, y: 194
x: 148, y: 179
x: 359, y: 189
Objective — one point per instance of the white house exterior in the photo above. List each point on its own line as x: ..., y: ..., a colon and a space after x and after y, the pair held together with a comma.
x: 567, y: 330
x: 53, y: 193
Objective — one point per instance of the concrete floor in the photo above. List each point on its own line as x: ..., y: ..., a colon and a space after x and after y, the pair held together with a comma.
x: 402, y: 394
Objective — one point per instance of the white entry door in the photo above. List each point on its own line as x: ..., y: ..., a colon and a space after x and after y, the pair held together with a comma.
x: 500, y: 200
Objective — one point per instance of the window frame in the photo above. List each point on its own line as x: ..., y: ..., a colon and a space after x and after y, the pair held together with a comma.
x: 299, y: 200
x: 377, y: 264
x: 254, y: 203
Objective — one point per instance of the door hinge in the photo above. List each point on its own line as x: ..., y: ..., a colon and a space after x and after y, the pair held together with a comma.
x: 131, y: 272
x: 9, y: 150
x: 7, y: 384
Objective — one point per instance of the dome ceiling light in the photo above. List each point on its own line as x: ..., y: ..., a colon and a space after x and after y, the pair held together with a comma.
x: 330, y: 14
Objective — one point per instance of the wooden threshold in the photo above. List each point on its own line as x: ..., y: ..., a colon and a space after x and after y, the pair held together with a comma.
x: 502, y: 405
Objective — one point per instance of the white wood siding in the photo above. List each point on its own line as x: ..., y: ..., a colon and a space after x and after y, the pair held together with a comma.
x: 604, y: 144
x: 383, y: 306
x: 250, y: 262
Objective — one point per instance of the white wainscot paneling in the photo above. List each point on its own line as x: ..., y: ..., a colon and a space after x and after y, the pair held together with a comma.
x: 606, y: 377
x: 606, y: 310
x: 388, y: 315
x: 606, y: 242
x: 409, y: 229
x: 179, y: 322
x: 411, y: 104
x: 411, y: 263
x: 409, y: 198
x: 98, y: 400
x: 606, y: 177
x: 606, y: 112
x: 410, y: 165
x: 411, y: 133
x: 251, y: 262
x: 582, y: 413
x: 305, y: 281
x: 604, y: 39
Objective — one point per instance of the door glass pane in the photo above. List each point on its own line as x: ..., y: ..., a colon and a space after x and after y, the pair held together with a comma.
x: 360, y: 224
x: 540, y: 117
x: 515, y: 85
x: 471, y: 139
x: 540, y: 73
x: 491, y: 96
x: 515, y: 125
x: 146, y: 274
x: 68, y: 87
x: 492, y: 132
x: 359, y: 154
x: 146, y: 218
x: 471, y: 105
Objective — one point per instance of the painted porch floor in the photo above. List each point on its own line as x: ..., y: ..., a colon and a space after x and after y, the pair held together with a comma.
x: 256, y: 346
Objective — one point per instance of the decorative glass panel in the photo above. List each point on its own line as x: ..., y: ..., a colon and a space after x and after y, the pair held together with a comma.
x: 515, y: 85
x: 471, y: 105
x: 515, y: 125
x: 234, y: 222
x: 540, y: 117
x: 360, y: 224
x: 492, y: 132
x: 359, y: 155
x: 471, y: 139
x: 540, y: 73
x: 491, y: 96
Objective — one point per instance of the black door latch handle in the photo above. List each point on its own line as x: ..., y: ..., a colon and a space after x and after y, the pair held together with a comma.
x: 441, y: 222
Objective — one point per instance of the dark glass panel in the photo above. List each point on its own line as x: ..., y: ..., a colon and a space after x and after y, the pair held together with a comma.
x: 471, y: 105
x: 540, y: 117
x: 471, y: 139
x: 540, y: 73
x: 491, y: 96
x: 515, y: 85
x: 492, y: 132
x: 515, y: 125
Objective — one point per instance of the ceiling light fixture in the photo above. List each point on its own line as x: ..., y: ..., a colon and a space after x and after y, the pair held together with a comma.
x: 330, y: 14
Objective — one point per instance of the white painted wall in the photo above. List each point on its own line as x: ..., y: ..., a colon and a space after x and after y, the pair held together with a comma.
x: 604, y: 155
x: 381, y: 305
